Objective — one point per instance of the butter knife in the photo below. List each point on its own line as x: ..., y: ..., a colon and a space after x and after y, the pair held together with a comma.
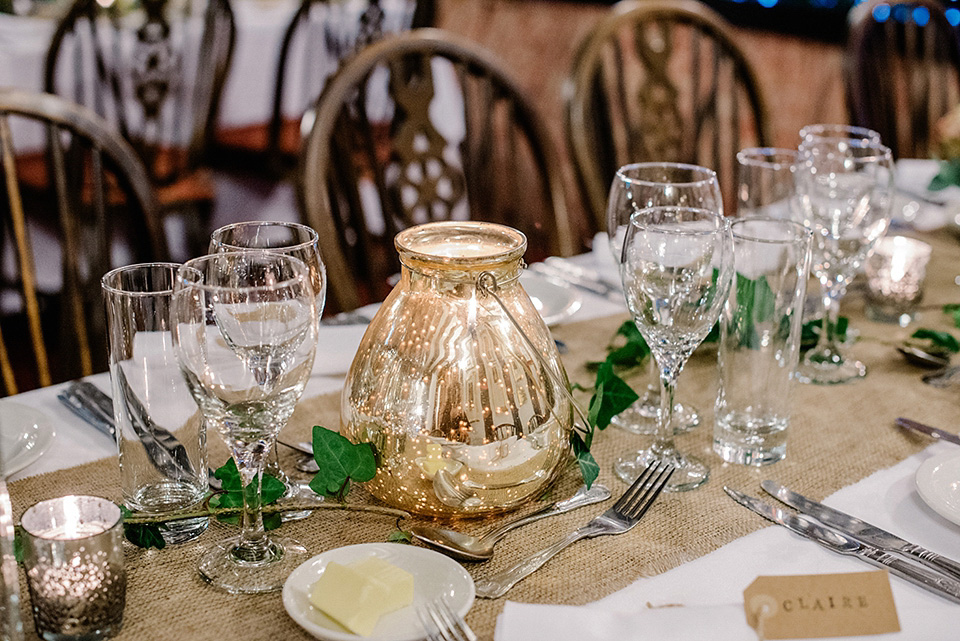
x: 841, y: 543
x: 866, y: 532
x: 935, y: 432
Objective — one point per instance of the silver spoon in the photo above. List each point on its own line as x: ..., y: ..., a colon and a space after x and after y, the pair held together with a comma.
x: 480, y: 548
x: 922, y: 357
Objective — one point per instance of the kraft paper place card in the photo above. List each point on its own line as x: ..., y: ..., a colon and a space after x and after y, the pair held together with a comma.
x: 821, y: 605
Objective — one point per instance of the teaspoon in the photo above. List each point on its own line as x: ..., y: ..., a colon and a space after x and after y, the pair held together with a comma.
x: 480, y: 548
x: 922, y: 357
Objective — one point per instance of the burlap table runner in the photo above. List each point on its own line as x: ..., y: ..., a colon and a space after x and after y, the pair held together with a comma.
x: 838, y: 436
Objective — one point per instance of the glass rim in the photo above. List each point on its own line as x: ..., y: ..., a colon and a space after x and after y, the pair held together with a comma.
x: 863, y: 133
x: 709, y: 174
x: 803, y: 233
x: 314, y: 237
x: 190, y: 267
x: 514, y: 243
x: 724, y: 223
x: 112, y: 520
x: 114, y: 273
x: 758, y: 157
x: 881, y: 150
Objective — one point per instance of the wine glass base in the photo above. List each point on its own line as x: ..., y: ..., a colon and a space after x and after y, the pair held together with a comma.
x: 223, y: 569
x: 690, y: 472
x: 830, y: 373
x: 641, y: 417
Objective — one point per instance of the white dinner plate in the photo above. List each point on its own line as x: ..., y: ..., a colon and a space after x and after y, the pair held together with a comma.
x: 938, y: 483
x: 554, y: 301
x: 433, y: 575
x: 25, y: 433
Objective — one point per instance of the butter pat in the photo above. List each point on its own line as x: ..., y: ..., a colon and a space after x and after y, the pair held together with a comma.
x: 358, y: 594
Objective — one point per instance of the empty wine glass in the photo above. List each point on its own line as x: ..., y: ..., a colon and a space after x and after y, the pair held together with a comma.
x: 845, y: 187
x: 291, y: 239
x: 245, y: 328
x: 651, y: 184
x: 676, y: 266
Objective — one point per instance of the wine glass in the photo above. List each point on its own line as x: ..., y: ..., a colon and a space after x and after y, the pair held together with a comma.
x: 826, y: 131
x: 676, y: 267
x: 291, y: 239
x: 652, y: 184
x: 245, y: 332
x: 845, y: 186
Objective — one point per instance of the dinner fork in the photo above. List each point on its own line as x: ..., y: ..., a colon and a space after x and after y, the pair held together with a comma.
x: 441, y: 623
x: 625, y: 513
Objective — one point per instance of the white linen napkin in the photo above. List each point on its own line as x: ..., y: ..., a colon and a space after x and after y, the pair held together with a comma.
x: 912, y: 177
x: 528, y: 622
x: 603, y: 260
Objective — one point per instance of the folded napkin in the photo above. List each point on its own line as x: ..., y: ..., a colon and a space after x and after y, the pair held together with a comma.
x: 603, y: 259
x: 910, y: 209
x: 527, y: 621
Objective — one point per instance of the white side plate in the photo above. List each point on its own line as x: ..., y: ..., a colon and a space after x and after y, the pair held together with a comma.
x: 433, y: 575
x: 554, y: 301
x: 938, y: 483
x: 25, y: 433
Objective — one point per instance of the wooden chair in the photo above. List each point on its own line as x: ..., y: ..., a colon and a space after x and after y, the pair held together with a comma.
x: 99, y: 211
x: 902, y: 71
x: 321, y: 34
x: 156, y: 73
x: 420, y: 127
x: 660, y: 80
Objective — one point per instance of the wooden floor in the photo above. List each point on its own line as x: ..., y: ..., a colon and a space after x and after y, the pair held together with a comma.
x: 801, y: 78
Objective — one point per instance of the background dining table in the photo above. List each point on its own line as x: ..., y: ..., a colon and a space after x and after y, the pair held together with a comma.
x: 694, y: 590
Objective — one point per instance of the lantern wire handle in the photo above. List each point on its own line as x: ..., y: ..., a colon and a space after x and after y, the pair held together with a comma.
x: 487, y: 286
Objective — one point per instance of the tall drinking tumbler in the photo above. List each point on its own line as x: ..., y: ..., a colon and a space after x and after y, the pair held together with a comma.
x: 760, y: 340
x: 160, y: 433
x: 765, y: 184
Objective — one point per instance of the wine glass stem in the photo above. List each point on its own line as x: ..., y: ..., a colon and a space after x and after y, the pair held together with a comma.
x: 664, y: 439
x: 826, y: 343
x: 254, y: 544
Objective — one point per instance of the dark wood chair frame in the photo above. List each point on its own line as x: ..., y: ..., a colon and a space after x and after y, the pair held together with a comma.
x: 107, y: 152
x: 921, y: 52
x: 588, y: 126
x: 319, y: 166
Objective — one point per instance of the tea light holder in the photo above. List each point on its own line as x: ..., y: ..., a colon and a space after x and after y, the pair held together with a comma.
x: 73, y: 557
x: 895, y: 274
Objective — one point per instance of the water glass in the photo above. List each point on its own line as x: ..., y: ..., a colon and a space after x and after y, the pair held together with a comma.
x: 760, y: 340
x: 895, y: 274
x: 765, y: 184
x: 73, y: 558
x: 160, y: 434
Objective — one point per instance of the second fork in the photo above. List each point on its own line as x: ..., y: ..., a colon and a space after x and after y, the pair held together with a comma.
x: 622, y: 517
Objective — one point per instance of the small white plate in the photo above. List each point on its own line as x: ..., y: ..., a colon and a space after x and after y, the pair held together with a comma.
x: 26, y: 433
x: 554, y: 301
x: 433, y: 575
x: 938, y: 483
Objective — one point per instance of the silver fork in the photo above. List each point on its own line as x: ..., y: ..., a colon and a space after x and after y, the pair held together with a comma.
x: 624, y: 514
x: 441, y: 623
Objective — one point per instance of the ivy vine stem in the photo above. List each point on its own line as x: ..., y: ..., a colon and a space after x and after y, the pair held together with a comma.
x: 156, y: 519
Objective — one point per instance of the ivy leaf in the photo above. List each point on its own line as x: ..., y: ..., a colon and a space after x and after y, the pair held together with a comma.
x: 942, y: 340
x: 634, y: 352
x: 18, y: 543
x: 271, y: 489
x: 810, y: 332
x: 143, y: 536
x: 611, y: 397
x: 953, y: 309
x: 589, y: 469
x: 949, y: 175
x: 400, y: 536
x: 340, y: 463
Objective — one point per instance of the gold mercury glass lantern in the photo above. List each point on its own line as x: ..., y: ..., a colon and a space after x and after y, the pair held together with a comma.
x: 465, y: 417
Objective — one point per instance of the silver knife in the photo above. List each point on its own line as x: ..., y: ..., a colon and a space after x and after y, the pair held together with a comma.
x: 557, y: 273
x: 866, y: 532
x: 847, y: 545
x: 935, y: 432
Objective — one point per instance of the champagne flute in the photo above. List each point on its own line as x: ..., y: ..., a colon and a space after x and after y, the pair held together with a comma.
x: 676, y: 266
x: 291, y: 239
x: 245, y: 331
x: 845, y: 186
x: 651, y: 184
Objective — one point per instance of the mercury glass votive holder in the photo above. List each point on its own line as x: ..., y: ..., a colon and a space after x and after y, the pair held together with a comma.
x: 73, y: 558
x: 895, y: 274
